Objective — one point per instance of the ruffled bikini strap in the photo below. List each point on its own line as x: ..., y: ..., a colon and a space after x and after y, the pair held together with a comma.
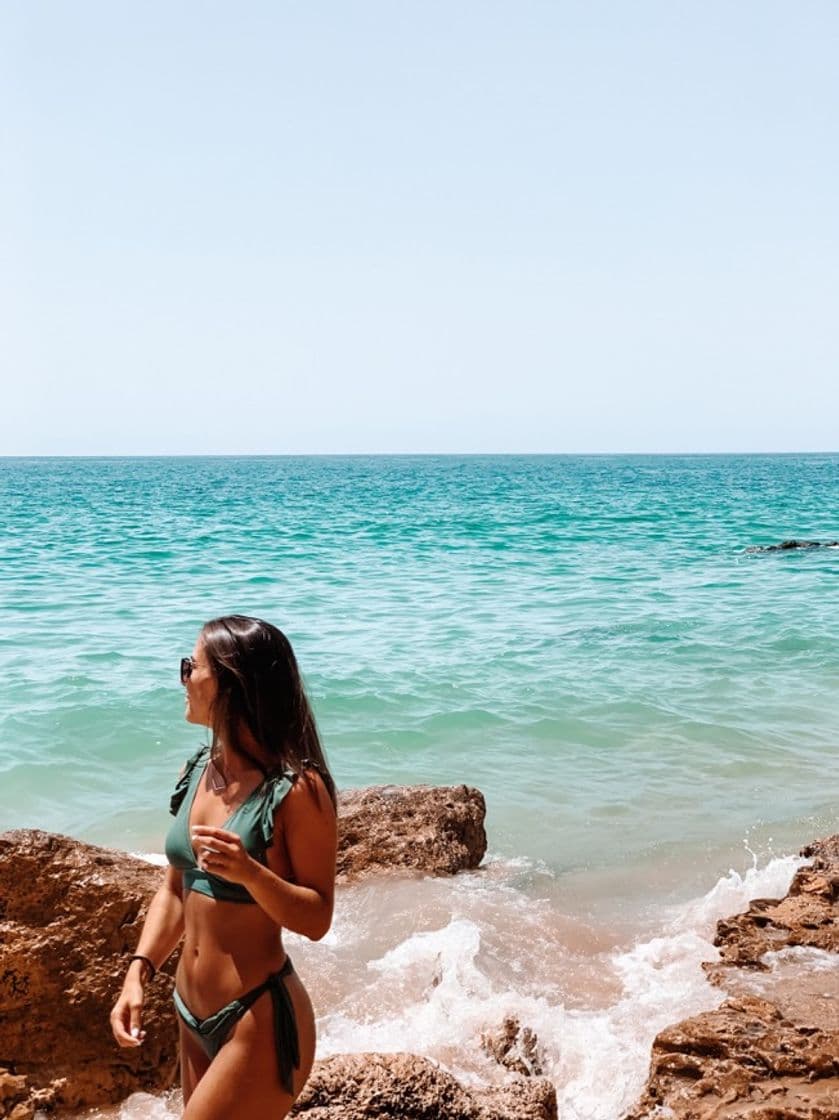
x: 277, y: 787
x: 185, y: 780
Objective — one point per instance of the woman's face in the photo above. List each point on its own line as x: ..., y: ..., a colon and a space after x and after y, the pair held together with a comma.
x: 200, y: 687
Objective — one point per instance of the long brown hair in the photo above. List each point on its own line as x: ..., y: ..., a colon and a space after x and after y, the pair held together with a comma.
x: 259, y: 687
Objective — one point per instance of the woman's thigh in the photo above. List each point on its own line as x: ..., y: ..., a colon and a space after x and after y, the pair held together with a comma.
x: 194, y: 1060
x: 243, y: 1081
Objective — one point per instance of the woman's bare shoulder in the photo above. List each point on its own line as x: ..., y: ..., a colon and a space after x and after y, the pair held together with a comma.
x: 308, y: 794
x: 307, y: 822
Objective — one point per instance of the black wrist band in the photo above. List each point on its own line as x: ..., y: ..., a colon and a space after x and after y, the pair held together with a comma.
x: 140, y: 957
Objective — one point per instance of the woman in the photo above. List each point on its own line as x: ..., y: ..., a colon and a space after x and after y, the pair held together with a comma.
x: 252, y: 850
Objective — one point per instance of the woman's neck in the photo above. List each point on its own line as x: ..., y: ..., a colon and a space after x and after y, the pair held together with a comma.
x: 243, y: 758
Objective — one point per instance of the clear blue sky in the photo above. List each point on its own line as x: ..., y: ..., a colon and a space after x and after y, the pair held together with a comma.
x: 419, y: 226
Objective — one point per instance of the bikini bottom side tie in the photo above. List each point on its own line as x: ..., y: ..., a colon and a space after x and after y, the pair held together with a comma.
x: 214, y: 1031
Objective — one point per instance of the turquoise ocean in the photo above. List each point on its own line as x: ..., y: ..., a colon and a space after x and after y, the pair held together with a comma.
x: 651, y: 711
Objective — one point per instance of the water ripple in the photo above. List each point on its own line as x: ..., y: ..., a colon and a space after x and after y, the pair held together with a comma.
x: 584, y: 638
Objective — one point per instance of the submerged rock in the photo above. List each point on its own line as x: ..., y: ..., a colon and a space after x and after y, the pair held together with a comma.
x: 71, y: 913
x: 789, y: 546
x: 514, y: 1047
x: 771, y: 1051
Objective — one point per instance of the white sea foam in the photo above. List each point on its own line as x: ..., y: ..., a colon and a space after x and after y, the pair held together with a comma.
x: 145, y: 1106
x: 733, y: 892
x: 139, y: 1106
x: 151, y: 857
x: 798, y: 957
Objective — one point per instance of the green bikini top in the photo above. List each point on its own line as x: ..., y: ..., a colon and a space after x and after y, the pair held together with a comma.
x: 253, y: 821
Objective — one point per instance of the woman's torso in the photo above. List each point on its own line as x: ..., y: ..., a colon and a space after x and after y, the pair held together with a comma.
x: 229, y: 946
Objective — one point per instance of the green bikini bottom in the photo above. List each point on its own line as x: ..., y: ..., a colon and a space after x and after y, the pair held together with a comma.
x: 213, y: 1031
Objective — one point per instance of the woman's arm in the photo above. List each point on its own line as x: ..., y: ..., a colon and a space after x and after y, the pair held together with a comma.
x: 162, y: 930
x: 164, y: 924
x: 306, y: 820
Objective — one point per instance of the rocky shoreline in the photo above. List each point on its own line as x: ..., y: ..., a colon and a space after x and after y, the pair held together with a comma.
x: 71, y: 912
x: 771, y: 1050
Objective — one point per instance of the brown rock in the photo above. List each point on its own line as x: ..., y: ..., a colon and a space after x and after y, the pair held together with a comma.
x: 406, y: 1087
x: 745, y: 1051
x: 519, y: 1099
x: 514, y: 1047
x: 825, y: 867
x: 12, y: 1088
x: 69, y: 915
x: 350, y: 1085
x: 774, y: 1058
x: 432, y: 829
x: 14, y: 1096
x: 807, y: 916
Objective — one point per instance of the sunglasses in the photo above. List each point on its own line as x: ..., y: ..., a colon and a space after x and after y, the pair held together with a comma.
x: 187, y: 665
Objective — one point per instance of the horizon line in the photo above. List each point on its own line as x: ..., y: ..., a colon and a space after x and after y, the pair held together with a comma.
x: 406, y: 454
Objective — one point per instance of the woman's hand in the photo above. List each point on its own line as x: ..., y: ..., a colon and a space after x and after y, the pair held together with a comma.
x: 222, y: 853
x: 127, y: 1015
